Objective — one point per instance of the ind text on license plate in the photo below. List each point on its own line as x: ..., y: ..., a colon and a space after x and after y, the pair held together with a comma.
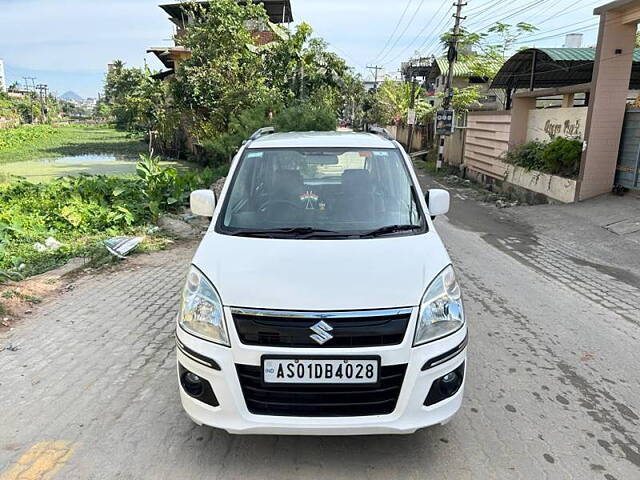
x: 320, y: 371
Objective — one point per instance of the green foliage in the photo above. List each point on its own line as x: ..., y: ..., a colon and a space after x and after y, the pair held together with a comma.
x: 165, y: 188
x: 8, y: 109
x: 220, y: 147
x: 135, y: 100
x: 509, y: 34
x: 561, y: 156
x: 80, y: 211
x: 222, y: 75
x: 30, y: 108
x: 528, y: 155
x: 14, y: 138
x: 228, y: 86
x: 486, y: 52
x: 32, y: 142
x: 306, y: 116
x: 390, y: 104
x: 465, y: 98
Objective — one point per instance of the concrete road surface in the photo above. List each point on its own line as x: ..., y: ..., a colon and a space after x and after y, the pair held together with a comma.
x: 553, y: 386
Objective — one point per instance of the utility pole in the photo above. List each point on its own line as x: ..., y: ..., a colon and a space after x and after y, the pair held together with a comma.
x: 42, y: 89
x: 452, y: 56
x: 28, y: 88
x: 412, y: 112
x: 375, y: 68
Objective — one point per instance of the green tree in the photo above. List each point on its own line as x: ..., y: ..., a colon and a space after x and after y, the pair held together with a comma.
x: 134, y: 99
x: 509, y: 35
x: 486, y: 52
x: 392, y: 100
x: 298, y: 67
x: 222, y: 76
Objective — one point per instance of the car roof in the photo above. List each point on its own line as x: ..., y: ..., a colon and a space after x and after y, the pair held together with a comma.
x: 322, y: 139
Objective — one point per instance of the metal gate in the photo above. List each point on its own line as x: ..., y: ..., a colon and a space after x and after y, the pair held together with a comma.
x: 628, y: 169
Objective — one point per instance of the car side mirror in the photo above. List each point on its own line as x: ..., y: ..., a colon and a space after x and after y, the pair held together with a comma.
x: 438, y: 202
x: 203, y: 203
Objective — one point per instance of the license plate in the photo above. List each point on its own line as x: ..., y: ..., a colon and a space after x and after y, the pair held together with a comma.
x: 320, y: 371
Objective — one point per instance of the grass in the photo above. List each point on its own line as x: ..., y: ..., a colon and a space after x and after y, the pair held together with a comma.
x: 44, y: 141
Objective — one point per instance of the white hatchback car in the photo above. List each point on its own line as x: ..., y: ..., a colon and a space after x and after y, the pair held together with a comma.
x: 321, y: 300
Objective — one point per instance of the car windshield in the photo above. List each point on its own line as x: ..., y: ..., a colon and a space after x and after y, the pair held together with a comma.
x: 327, y: 192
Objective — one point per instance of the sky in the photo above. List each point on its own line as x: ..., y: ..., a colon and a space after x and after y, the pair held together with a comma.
x: 67, y: 44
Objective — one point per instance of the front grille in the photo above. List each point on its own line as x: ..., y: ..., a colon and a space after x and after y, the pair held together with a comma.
x: 350, y: 329
x: 321, y: 400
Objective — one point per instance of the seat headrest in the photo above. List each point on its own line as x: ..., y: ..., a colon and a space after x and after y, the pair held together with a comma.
x: 357, y: 177
x: 288, y: 177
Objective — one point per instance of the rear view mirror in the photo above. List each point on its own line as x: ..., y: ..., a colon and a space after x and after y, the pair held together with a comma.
x: 438, y: 202
x: 203, y: 203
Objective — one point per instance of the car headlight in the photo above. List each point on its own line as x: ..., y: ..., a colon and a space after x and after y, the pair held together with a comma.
x: 201, y: 312
x: 441, y: 311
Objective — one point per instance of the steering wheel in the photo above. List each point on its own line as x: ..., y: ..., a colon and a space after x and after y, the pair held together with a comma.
x: 287, y: 203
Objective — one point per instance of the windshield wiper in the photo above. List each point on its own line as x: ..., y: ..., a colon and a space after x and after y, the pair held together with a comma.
x: 391, y: 229
x: 296, y: 232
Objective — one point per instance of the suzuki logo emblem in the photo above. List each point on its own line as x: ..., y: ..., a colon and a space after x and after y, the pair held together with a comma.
x: 321, y: 332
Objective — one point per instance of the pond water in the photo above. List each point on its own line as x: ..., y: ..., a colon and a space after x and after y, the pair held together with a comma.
x: 46, y: 169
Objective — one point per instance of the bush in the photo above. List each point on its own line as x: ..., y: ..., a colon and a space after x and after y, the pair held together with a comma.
x: 528, y: 155
x: 562, y: 157
x: 14, y: 138
x: 167, y: 189
x: 220, y: 148
x: 301, y: 117
x: 306, y: 117
x: 81, y: 211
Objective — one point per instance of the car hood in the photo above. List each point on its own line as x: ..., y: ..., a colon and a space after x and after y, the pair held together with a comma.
x: 321, y: 275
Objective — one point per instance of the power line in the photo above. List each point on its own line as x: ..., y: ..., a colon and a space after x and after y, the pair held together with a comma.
x: 441, y: 23
x: 485, y: 7
x: 413, y: 17
x: 559, y: 28
x: 348, y: 55
x: 565, y: 11
x: 424, y: 29
x: 510, y: 14
x: 561, y: 34
x: 404, y: 12
x: 534, y: 37
x: 430, y: 45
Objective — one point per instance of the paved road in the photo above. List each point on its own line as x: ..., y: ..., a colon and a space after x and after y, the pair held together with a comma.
x: 552, y: 392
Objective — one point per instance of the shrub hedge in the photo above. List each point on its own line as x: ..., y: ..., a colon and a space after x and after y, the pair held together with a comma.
x: 560, y: 157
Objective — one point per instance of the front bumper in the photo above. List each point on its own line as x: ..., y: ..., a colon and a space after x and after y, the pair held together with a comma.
x: 409, y: 415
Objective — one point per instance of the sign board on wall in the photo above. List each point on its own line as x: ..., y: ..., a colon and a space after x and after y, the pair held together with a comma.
x: 545, y: 124
x: 444, y: 122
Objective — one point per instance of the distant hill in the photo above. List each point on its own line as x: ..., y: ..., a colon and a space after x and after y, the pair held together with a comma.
x: 71, y: 97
